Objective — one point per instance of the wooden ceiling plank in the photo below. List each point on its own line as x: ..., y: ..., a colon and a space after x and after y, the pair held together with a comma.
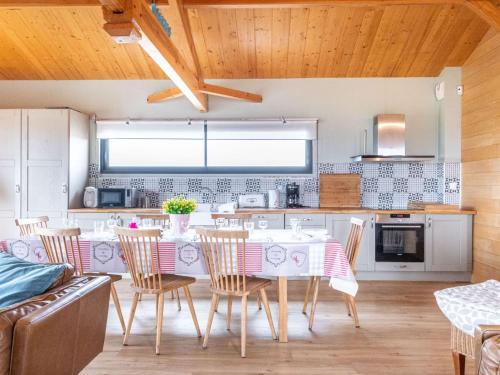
x: 280, y: 34
x: 297, y: 42
x: 314, y: 38
x: 245, y: 24
x: 367, y: 32
x: 212, y: 37
x: 177, y: 13
x: 228, y: 93
x: 226, y: 19
x: 263, y: 42
x: 199, y: 42
x: 488, y: 10
x: 164, y: 95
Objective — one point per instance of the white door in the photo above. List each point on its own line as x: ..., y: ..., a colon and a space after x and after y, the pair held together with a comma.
x: 338, y: 226
x: 10, y: 171
x: 45, y: 163
x: 448, y: 243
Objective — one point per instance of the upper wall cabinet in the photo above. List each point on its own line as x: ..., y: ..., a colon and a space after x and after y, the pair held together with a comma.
x: 44, y: 163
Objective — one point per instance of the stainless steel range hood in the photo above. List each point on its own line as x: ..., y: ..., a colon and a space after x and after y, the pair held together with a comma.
x: 389, y: 141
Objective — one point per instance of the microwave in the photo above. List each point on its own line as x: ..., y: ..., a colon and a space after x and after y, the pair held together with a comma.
x: 117, y: 197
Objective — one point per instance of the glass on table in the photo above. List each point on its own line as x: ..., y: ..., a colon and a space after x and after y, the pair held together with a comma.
x: 98, y: 227
x: 234, y: 223
x: 220, y: 223
x: 263, y: 224
x: 111, y: 223
x: 249, y: 226
x: 147, y: 223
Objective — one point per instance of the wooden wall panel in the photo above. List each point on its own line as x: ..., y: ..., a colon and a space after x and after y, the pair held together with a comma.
x: 481, y: 153
x: 321, y: 41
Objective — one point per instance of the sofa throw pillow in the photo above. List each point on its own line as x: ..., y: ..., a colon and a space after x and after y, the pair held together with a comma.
x: 20, y: 280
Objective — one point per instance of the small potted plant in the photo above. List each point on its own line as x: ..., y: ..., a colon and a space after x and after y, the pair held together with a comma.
x: 179, y: 209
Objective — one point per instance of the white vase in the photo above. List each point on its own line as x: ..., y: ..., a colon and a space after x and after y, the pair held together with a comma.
x: 179, y: 223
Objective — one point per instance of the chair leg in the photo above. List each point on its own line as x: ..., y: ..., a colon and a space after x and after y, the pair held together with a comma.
x: 210, y: 319
x: 159, y: 321
x: 131, y: 318
x: 178, y: 300
x: 316, y: 282
x: 308, y: 292
x: 265, y: 301
x: 347, y: 305
x: 172, y: 294
x: 118, y: 308
x: 458, y: 363
x: 191, y: 309
x: 244, y: 326
x: 352, y: 303
x: 258, y: 301
x: 229, y: 311
x: 217, y: 303
x: 140, y: 297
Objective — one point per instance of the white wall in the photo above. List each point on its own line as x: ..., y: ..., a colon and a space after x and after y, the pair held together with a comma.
x: 344, y: 106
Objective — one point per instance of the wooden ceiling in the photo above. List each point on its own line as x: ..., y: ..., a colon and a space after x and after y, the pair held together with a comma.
x: 320, y: 41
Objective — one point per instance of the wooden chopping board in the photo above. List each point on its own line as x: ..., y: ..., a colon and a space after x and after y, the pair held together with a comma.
x: 339, y: 190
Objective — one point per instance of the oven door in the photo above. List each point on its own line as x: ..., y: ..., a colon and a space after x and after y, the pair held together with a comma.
x: 111, y: 197
x: 399, y: 242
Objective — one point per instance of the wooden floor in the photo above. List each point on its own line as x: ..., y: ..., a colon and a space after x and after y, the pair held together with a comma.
x: 402, y: 332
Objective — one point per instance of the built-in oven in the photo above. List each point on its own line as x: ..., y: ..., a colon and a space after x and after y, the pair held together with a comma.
x: 399, y: 238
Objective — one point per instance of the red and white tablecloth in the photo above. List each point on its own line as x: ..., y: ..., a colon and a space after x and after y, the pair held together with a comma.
x: 263, y: 258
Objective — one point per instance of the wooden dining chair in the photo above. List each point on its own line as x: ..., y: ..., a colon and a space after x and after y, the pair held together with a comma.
x: 157, y: 219
x: 63, y: 246
x: 351, y: 249
x: 162, y: 220
x: 225, y: 257
x: 142, y: 254
x: 242, y: 218
x: 28, y: 226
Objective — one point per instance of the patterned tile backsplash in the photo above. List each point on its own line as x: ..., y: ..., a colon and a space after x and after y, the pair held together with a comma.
x: 383, y: 185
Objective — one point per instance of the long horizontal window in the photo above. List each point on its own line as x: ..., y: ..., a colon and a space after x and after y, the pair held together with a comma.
x: 239, y: 148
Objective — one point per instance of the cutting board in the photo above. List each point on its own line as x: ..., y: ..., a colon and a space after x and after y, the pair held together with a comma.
x: 339, y: 190
x: 432, y: 206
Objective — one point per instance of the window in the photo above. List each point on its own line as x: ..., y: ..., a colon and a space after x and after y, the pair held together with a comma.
x: 237, y: 147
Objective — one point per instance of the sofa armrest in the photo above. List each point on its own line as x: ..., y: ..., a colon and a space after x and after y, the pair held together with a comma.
x: 481, y: 334
x: 63, y: 336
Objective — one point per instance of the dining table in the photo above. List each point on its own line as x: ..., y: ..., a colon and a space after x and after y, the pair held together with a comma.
x: 273, y: 253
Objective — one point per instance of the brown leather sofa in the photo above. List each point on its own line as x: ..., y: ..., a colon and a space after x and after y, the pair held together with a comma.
x: 58, y: 332
x: 487, y: 350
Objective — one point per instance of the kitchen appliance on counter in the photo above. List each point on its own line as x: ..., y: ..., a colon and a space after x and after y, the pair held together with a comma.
x: 399, y: 238
x: 90, y: 197
x: 252, y: 201
x: 273, y: 199
x: 389, y: 141
x: 292, y: 195
x: 110, y: 197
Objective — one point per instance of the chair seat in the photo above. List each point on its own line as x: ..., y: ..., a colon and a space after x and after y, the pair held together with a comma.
x: 468, y: 306
x: 114, y: 277
x: 252, y: 284
x: 168, y: 282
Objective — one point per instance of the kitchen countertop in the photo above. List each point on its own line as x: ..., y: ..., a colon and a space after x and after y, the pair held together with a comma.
x: 337, y: 210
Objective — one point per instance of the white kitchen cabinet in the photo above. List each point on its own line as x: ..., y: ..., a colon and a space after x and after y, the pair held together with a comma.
x: 338, y: 226
x: 274, y: 221
x: 45, y: 153
x: 448, y: 243
x: 307, y: 220
x: 10, y: 170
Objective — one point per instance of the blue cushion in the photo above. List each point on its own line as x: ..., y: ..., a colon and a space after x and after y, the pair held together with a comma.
x: 20, y: 280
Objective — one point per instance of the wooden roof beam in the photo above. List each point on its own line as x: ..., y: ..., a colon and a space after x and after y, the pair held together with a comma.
x: 488, y: 10
x: 164, y: 95
x: 228, y: 93
x: 138, y: 24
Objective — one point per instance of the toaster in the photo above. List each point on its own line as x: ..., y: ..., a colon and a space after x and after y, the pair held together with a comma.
x: 252, y: 201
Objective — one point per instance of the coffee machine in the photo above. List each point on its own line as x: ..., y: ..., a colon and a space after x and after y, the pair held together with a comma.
x: 292, y: 195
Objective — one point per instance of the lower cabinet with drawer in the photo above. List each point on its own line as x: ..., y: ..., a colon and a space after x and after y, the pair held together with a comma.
x: 399, y: 266
x: 274, y: 221
x: 307, y: 221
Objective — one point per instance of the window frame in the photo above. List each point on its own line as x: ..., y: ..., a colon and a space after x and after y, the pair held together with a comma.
x: 106, y: 169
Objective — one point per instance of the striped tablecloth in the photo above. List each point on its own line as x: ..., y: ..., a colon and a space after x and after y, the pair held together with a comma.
x: 263, y: 258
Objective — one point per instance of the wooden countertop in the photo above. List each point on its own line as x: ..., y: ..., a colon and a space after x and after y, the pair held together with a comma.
x: 338, y: 210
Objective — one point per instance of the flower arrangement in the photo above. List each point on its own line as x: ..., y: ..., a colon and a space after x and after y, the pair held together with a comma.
x: 179, y: 206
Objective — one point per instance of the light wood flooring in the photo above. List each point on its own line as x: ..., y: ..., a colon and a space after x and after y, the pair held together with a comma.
x: 402, y: 332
